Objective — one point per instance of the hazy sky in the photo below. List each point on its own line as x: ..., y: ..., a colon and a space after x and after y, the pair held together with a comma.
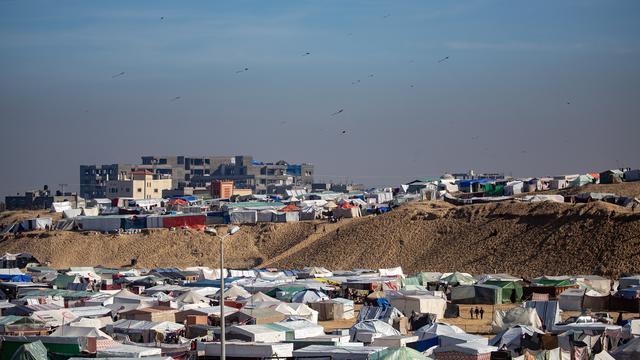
x: 530, y: 87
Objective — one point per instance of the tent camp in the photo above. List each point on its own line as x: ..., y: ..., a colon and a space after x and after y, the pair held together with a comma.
x: 518, y: 316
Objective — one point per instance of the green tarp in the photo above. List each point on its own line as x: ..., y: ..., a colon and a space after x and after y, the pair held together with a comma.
x: 285, y: 293
x: 31, y: 351
x: 493, y: 189
x: 552, y: 282
x: 410, y: 281
x: 508, y: 289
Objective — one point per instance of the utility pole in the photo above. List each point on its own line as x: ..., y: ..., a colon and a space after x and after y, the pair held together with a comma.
x: 62, y: 187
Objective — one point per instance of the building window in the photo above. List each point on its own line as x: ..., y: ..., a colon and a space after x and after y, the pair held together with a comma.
x: 128, y: 190
x: 139, y: 189
x: 155, y: 190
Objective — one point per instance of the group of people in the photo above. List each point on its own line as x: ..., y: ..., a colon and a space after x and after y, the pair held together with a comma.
x: 476, y: 313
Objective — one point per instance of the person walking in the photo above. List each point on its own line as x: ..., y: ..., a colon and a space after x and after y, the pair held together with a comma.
x: 477, y: 312
x: 481, y: 313
x: 471, y: 312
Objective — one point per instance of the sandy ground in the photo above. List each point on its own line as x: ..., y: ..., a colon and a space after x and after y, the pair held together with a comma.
x: 519, y: 238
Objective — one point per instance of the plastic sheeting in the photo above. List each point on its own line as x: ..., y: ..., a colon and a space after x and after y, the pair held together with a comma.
x: 98, y: 223
x: 154, y: 222
x: 396, y: 271
x: 503, y: 320
x: 60, y: 206
x: 421, y: 304
x: 134, y: 222
x: 244, y: 217
x: 571, y: 299
x: 72, y: 213
x: 93, y: 211
x: 189, y: 221
x: 309, y: 296
x: 367, y: 330
x: 539, y: 198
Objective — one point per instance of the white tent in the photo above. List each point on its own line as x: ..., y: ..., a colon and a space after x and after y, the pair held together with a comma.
x: 503, y: 320
x: 309, y: 296
x: 76, y: 331
x: 437, y: 329
x: 368, y: 330
x: 396, y: 271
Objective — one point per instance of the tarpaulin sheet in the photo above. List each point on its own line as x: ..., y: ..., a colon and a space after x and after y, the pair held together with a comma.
x: 134, y: 222
x: 244, y: 217
x: 154, y: 222
x: 98, y: 223
x: 189, y: 221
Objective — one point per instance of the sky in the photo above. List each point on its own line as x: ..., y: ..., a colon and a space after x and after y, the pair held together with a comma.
x: 528, y: 88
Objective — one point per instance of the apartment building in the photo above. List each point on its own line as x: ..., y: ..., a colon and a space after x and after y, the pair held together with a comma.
x: 140, y: 184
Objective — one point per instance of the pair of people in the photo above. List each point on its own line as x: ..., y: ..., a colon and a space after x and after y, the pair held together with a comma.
x: 478, y: 312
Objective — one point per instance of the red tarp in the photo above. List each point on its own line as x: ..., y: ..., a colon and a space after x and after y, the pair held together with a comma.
x: 347, y: 206
x: 290, y: 208
x: 190, y: 221
x: 178, y: 202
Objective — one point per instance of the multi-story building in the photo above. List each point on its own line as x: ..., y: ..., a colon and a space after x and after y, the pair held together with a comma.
x: 192, y: 171
x: 140, y: 184
x: 93, y: 178
x: 42, y: 199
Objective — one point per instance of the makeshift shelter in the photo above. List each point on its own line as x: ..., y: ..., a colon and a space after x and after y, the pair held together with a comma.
x: 511, y: 290
x: 98, y: 223
x: 457, y: 278
x: 614, y: 176
x: 368, y: 330
x: 334, y: 309
x: 632, y: 175
x: 571, y: 299
x: 282, y: 217
x: 420, y: 304
x: 513, y: 188
x: 582, y: 180
x: 31, y: 351
x: 298, y: 329
x: 518, y: 316
x: 628, y: 351
x: 309, y: 296
x: 476, y: 294
x: 243, y: 216
x: 398, y: 353
x: 346, y: 210
x: 256, y: 333
x: 437, y: 329
x: 197, y: 222
x: 517, y: 337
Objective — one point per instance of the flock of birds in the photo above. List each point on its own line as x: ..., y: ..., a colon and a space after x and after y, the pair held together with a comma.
x: 338, y: 112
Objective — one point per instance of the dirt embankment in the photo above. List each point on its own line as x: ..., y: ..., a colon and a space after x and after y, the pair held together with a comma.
x: 519, y: 238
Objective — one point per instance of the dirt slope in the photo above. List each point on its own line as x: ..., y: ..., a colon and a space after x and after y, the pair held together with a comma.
x: 523, y: 239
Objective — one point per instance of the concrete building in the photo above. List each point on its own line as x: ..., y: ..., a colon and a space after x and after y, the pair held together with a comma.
x: 140, y: 184
x: 93, y: 178
x: 221, y: 189
x: 190, y: 171
x: 42, y: 199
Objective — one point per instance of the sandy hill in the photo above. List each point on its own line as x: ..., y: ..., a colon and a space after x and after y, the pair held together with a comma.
x: 520, y: 238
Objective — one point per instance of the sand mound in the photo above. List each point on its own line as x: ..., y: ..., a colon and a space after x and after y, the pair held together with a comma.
x: 515, y: 237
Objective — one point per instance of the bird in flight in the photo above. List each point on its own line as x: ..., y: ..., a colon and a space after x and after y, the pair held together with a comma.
x: 306, y: 54
x: 176, y: 98
x: 117, y: 75
x: 161, y: 17
x: 443, y: 59
x: 370, y: 75
x: 337, y: 112
x: 411, y: 85
x: 355, y: 82
x: 568, y: 103
x: 344, y: 132
x: 386, y: 16
x: 243, y: 70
